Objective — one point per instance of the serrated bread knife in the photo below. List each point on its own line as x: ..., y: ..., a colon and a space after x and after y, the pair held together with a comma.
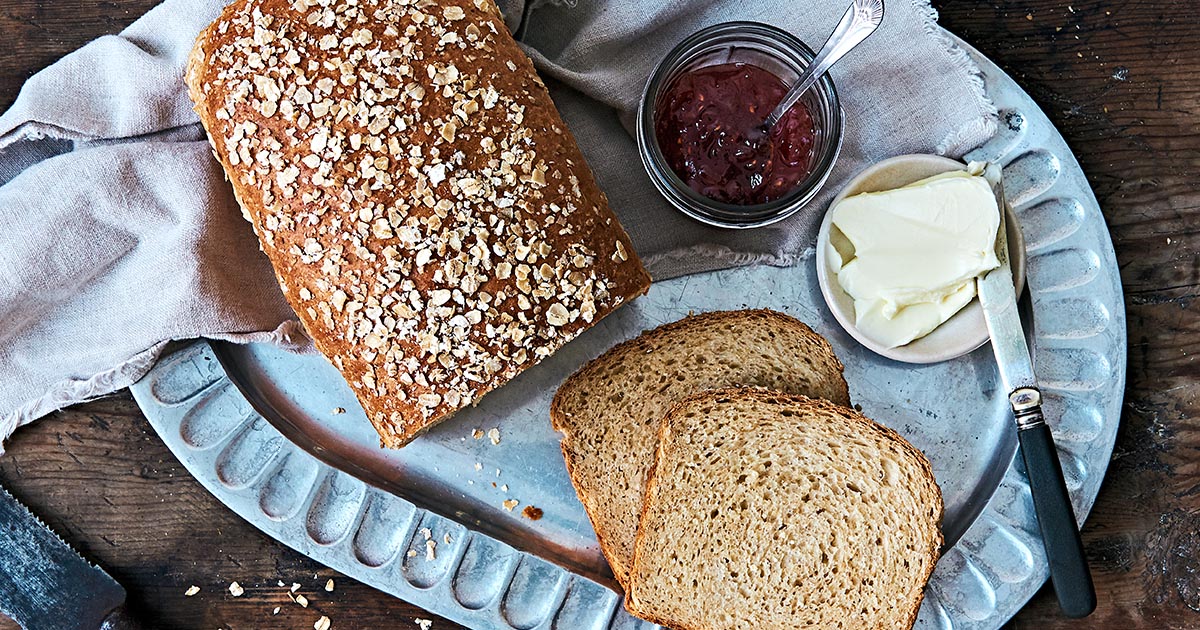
x: 45, y: 585
x: 1060, y: 534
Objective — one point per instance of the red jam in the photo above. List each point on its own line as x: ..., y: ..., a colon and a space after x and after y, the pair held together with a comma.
x: 709, y: 126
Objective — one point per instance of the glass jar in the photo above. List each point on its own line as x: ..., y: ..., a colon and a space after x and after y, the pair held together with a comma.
x: 773, y: 50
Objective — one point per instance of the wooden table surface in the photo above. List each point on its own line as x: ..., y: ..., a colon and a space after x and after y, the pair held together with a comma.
x: 1122, y: 82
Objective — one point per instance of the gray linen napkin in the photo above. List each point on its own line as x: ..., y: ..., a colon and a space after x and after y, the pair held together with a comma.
x: 121, y: 233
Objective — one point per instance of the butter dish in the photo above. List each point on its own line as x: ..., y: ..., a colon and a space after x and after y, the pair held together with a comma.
x: 961, y: 333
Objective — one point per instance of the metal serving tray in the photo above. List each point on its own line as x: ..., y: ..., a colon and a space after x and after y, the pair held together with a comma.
x: 263, y: 431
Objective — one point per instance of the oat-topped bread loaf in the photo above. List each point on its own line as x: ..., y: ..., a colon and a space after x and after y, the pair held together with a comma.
x: 771, y: 511
x: 426, y: 211
x: 609, y: 411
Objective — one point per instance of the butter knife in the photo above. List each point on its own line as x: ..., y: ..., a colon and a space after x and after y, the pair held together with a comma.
x: 1060, y: 534
x: 45, y: 585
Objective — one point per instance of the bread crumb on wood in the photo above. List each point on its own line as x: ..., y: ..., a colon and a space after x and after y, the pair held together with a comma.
x: 532, y: 513
x: 236, y: 589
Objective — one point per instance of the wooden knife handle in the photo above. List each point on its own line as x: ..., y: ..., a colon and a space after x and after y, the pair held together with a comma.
x: 1064, y: 550
x: 120, y: 619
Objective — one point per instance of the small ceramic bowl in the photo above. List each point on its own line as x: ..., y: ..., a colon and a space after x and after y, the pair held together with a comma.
x: 960, y: 334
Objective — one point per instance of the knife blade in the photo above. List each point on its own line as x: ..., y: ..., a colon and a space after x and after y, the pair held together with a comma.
x: 45, y: 584
x: 998, y: 297
x: 1069, y: 570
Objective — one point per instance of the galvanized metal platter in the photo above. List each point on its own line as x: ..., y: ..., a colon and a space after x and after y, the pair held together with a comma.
x: 264, y: 431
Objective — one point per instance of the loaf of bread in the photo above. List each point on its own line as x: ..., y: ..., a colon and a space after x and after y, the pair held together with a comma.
x: 771, y: 511
x: 427, y: 213
x: 609, y: 411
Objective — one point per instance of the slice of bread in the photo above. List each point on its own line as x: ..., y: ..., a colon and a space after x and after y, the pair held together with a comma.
x: 766, y: 510
x: 609, y: 411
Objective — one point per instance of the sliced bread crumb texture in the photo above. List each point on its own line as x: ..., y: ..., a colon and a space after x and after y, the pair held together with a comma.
x: 610, y: 410
x: 766, y: 511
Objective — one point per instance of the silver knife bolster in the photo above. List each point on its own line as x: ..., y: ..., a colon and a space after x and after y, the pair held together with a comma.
x: 1026, y: 405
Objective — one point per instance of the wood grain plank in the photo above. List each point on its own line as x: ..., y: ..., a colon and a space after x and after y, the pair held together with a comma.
x: 1120, y: 81
x: 99, y: 476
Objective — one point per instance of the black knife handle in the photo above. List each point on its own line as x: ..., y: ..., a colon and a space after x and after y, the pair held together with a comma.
x: 119, y: 619
x: 1068, y: 566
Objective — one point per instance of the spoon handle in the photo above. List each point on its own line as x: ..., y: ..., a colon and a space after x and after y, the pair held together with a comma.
x: 859, y: 21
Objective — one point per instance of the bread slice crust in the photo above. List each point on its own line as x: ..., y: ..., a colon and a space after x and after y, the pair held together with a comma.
x: 676, y: 422
x: 809, y: 366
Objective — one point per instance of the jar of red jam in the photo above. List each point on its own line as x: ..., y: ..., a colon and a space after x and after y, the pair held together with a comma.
x: 699, y: 131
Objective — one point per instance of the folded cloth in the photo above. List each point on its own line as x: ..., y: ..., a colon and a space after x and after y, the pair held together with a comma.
x: 122, y: 234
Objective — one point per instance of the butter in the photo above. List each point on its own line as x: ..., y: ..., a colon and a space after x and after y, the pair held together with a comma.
x: 909, y: 257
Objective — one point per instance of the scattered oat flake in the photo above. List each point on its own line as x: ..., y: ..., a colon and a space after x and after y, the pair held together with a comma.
x: 281, y: 583
x: 276, y: 611
x: 446, y: 538
x: 426, y: 532
x: 478, y: 466
x: 322, y: 623
x: 329, y: 586
x: 424, y: 623
x: 509, y: 504
x: 192, y: 590
x: 504, y: 487
x: 476, y: 433
x: 431, y: 550
x: 411, y: 553
x: 494, y: 435
x: 236, y: 589
x: 532, y: 513
x: 302, y: 600
x: 295, y: 587
x: 339, y: 410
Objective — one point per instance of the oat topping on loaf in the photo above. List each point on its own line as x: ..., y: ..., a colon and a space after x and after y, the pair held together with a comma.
x: 426, y: 210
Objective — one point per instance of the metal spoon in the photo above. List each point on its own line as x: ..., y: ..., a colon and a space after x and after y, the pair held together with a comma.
x: 860, y: 20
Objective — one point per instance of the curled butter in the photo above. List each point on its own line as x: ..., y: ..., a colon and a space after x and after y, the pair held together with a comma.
x: 909, y: 257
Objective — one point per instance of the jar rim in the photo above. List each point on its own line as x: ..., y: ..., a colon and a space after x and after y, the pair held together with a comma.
x: 711, y: 211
